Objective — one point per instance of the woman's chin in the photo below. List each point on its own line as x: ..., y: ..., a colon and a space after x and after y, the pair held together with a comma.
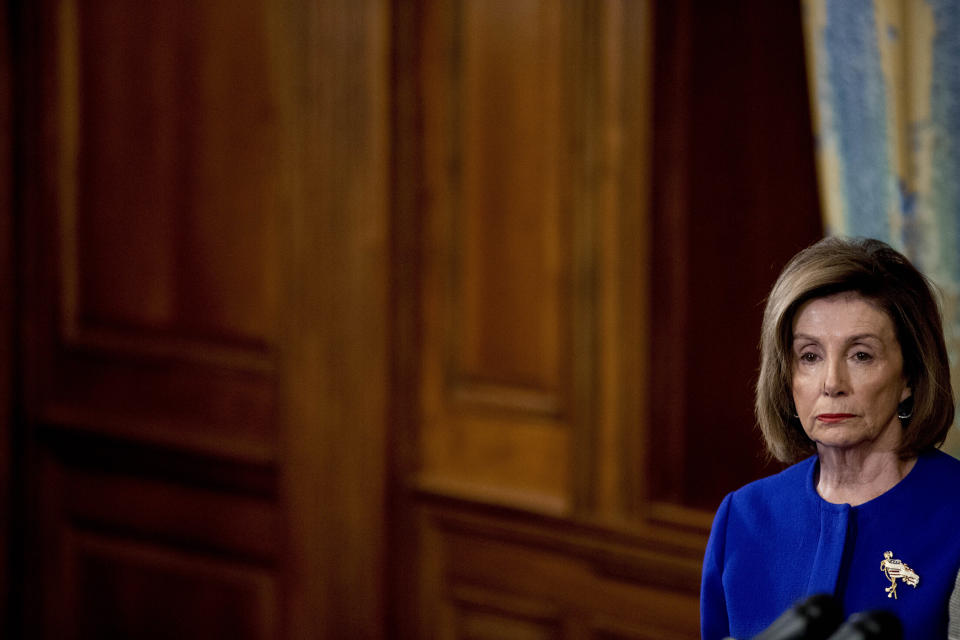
x: 837, y: 435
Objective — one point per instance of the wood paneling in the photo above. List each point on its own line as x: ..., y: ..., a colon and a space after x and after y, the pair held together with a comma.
x: 533, y: 302
x: 505, y: 222
x: 593, y: 201
x: 336, y: 319
x: 131, y: 541
x: 119, y: 589
x: 383, y: 318
x: 155, y: 257
x: 168, y: 170
x: 10, y: 532
x: 734, y: 198
x: 531, y: 249
x: 479, y: 614
x: 203, y: 222
x: 497, y: 251
x: 200, y: 517
x: 517, y: 583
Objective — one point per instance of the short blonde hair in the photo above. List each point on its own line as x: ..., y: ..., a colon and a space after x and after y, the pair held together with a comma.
x: 882, y: 275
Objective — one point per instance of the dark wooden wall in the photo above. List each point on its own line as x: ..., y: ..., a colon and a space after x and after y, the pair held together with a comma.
x: 8, y: 342
x: 595, y: 198
x: 734, y: 196
x: 428, y: 319
x: 203, y: 234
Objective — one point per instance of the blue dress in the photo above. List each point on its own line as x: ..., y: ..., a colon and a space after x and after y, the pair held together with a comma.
x: 776, y: 541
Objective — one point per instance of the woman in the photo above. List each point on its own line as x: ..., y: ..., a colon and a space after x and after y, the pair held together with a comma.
x: 855, y: 385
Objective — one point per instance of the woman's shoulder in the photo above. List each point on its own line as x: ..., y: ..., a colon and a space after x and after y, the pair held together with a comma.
x: 942, y: 461
x: 769, y: 507
x: 939, y: 470
x: 928, y: 490
x: 788, y: 484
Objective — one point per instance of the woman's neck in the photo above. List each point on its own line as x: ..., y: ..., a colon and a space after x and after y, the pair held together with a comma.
x: 854, y: 476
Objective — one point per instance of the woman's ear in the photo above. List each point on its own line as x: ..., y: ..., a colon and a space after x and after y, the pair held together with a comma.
x: 906, y: 393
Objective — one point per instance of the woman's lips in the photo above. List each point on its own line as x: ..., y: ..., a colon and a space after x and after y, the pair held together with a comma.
x: 834, y: 417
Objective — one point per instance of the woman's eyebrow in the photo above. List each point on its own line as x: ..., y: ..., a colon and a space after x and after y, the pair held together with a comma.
x: 859, y: 337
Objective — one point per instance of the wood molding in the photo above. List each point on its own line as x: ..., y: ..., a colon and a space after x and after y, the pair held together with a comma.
x: 150, y: 268
x: 10, y: 513
x: 132, y: 283
x: 192, y: 595
x: 335, y: 325
x: 603, y: 628
x: 483, y: 613
x: 151, y: 346
x: 479, y: 395
x: 624, y: 550
x: 727, y: 217
x: 525, y: 583
x: 215, y: 412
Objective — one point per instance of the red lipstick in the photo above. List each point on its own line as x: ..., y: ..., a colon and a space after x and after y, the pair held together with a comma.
x: 834, y: 417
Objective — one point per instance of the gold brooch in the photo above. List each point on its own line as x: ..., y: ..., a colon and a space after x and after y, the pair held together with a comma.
x: 894, y: 569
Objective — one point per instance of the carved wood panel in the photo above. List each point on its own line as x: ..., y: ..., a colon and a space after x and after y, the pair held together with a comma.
x: 587, y: 262
x: 499, y: 260
x: 154, y: 255
x: 162, y: 203
x: 532, y: 253
x: 202, y: 228
x: 206, y: 307
x: 734, y: 197
x: 120, y: 589
x: 8, y: 301
x: 477, y: 614
x: 131, y: 541
x: 534, y: 582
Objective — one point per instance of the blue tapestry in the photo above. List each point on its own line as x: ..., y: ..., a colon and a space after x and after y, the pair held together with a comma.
x: 885, y: 85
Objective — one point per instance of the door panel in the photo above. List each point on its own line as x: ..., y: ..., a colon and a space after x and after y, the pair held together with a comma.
x: 497, y: 262
x: 155, y: 250
x: 383, y: 319
x: 580, y: 190
x: 151, y: 266
x: 197, y: 389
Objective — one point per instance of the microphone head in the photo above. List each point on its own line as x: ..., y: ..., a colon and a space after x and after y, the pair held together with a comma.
x: 811, y: 619
x: 870, y: 625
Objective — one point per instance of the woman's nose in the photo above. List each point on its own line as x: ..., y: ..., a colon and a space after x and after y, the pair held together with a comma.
x: 835, y: 379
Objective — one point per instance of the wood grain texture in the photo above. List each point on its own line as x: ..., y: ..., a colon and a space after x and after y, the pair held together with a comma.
x: 121, y: 589
x: 10, y: 533
x: 172, y: 117
x: 205, y: 224
x: 564, y: 172
x: 152, y: 258
x: 667, y: 182
x: 518, y: 588
x: 496, y: 249
x: 336, y: 321
x: 483, y: 614
x: 734, y: 198
x: 388, y: 319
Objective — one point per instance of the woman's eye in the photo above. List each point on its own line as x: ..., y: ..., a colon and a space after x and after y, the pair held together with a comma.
x: 862, y: 356
x: 809, y: 356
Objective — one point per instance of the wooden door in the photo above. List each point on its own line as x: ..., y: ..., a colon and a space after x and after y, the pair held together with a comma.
x: 8, y: 323
x: 363, y: 319
x: 203, y: 268
x: 593, y: 203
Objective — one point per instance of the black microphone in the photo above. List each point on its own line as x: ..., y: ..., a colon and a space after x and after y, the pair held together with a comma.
x: 812, y: 619
x: 870, y: 625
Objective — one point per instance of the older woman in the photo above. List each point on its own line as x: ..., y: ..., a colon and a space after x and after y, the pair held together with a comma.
x: 855, y: 385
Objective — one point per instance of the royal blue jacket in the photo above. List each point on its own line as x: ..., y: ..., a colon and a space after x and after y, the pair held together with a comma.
x: 776, y: 541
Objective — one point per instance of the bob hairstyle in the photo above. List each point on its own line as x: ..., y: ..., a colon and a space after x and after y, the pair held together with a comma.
x: 886, y: 278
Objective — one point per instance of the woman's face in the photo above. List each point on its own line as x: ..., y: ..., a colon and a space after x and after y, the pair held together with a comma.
x: 847, y: 373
